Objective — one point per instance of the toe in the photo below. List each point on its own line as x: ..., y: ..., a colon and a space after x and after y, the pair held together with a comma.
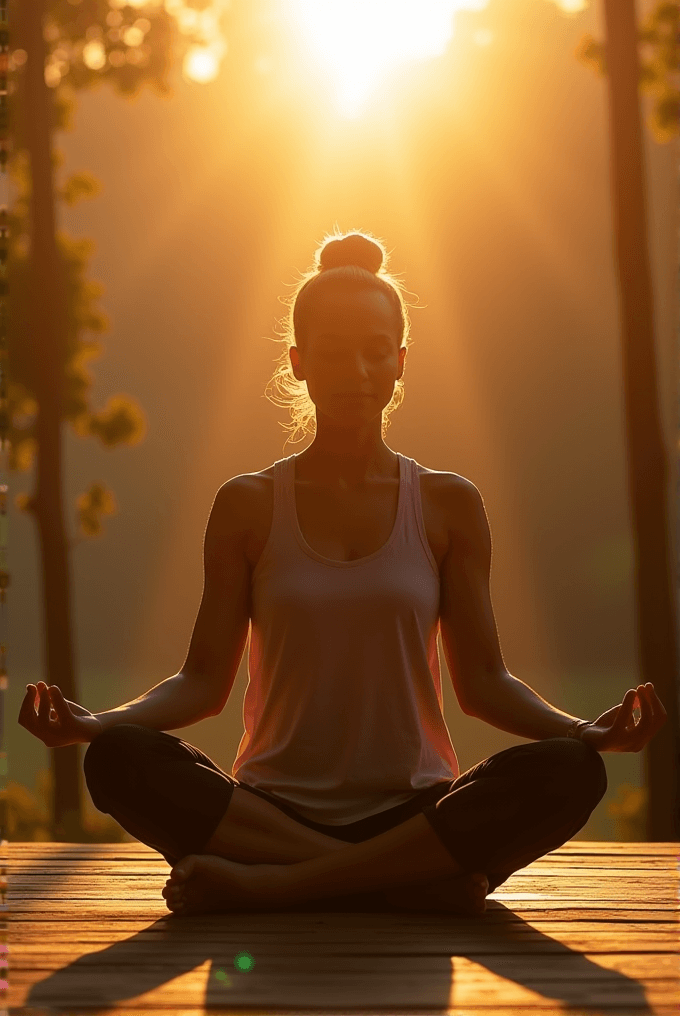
x: 175, y: 901
x: 183, y: 869
x: 173, y: 894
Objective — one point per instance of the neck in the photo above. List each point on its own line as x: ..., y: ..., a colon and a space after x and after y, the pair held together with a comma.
x: 347, y: 466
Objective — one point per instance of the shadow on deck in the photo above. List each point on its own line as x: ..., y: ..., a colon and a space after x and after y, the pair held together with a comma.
x: 589, y: 928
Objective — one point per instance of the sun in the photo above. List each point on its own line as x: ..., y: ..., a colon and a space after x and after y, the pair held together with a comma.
x: 360, y: 41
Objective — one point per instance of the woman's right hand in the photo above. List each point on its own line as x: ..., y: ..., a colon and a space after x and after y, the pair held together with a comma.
x: 56, y: 722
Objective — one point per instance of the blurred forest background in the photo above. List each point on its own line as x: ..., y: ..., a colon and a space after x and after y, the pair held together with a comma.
x: 486, y: 172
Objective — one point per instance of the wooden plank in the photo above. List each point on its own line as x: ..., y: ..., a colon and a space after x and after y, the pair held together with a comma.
x: 549, y: 942
x: 593, y: 847
x: 573, y: 907
x: 271, y: 1010
x: 662, y: 885
x: 342, y: 989
x: 276, y: 924
x: 125, y: 879
x: 155, y: 863
x: 510, y: 938
x: 36, y: 958
x: 104, y: 866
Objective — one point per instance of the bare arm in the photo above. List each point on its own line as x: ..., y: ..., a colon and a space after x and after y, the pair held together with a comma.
x: 202, y: 686
x: 513, y: 706
x: 481, y: 680
x: 178, y: 701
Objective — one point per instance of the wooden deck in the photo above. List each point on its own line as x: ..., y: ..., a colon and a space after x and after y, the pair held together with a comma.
x: 590, y: 928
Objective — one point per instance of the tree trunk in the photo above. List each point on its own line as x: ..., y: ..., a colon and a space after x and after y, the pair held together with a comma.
x: 655, y: 578
x: 46, y: 333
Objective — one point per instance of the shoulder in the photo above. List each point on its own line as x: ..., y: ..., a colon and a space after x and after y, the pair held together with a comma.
x: 462, y: 508
x: 237, y: 495
x: 246, y: 496
x: 451, y: 488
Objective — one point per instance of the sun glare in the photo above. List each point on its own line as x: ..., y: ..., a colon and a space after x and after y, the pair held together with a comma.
x: 201, y: 64
x: 360, y: 41
x: 572, y: 6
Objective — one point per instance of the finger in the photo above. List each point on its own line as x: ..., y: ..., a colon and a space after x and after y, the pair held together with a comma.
x: 49, y: 708
x: 44, y: 705
x: 648, y: 709
x: 644, y: 725
x: 624, y: 725
x: 658, y: 704
x: 651, y: 711
x: 59, y: 703
x: 625, y: 713
x: 659, y: 714
x: 27, y: 714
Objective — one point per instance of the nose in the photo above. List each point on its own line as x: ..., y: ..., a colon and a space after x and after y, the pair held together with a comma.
x: 356, y: 379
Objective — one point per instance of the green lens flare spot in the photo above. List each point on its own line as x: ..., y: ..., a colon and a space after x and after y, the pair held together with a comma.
x: 224, y: 978
x: 244, y: 961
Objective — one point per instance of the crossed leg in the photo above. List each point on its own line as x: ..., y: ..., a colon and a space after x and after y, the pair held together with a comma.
x: 164, y: 791
x: 253, y: 831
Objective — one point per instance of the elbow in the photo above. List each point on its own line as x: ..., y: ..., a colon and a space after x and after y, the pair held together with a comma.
x: 488, y: 693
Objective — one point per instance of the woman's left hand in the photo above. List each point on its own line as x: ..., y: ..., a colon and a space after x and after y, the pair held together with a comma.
x: 616, y: 730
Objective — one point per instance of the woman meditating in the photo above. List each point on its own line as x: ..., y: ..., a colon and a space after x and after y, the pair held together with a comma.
x: 342, y: 563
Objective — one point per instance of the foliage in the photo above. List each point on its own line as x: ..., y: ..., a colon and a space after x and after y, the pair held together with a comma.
x: 27, y: 815
x: 628, y: 810
x: 121, y: 421
x: 129, y: 44
x: 659, y: 35
x: 92, y: 505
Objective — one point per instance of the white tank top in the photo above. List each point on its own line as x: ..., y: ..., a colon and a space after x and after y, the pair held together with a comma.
x: 343, y: 708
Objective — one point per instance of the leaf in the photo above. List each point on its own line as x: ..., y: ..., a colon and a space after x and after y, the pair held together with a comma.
x: 591, y: 53
x: 122, y: 421
x: 78, y: 186
x: 96, y: 502
x: 660, y: 31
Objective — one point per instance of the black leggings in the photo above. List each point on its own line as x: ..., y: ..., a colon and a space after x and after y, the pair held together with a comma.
x: 500, y: 815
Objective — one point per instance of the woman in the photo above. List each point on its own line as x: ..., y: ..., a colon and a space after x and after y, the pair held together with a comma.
x: 344, y: 561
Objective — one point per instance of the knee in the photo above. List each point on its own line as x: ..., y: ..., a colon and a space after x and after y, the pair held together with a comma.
x: 104, y: 755
x: 581, y: 767
x: 597, y: 773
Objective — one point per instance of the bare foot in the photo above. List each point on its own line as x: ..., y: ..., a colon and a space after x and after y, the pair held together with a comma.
x: 205, y: 883
x: 462, y: 894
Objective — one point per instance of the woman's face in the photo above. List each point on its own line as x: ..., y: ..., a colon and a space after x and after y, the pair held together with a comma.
x: 351, y: 357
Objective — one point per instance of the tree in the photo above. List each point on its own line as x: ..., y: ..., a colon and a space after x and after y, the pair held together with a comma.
x: 58, y: 48
x: 655, y: 576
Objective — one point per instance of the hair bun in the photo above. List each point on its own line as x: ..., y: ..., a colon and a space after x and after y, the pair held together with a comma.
x: 353, y: 249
